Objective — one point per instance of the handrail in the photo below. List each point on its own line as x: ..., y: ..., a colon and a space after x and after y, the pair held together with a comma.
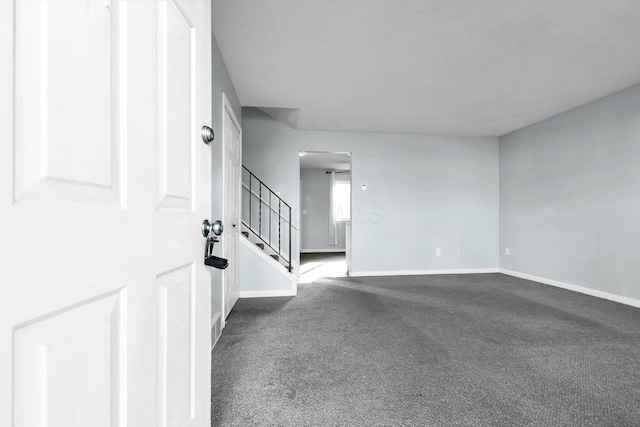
x: 281, y: 217
x: 270, y: 205
x: 266, y: 186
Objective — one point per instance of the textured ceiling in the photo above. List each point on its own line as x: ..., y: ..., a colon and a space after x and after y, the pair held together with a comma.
x: 457, y: 67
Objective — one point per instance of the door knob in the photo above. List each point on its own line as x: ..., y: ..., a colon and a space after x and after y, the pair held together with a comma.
x: 207, y: 228
x: 207, y: 134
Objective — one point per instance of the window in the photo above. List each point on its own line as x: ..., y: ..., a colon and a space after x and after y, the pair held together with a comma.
x: 342, y: 200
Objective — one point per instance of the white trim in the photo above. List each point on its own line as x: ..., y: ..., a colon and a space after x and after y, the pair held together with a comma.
x: 310, y: 251
x: 226, y: 105
x: 215, y: 318
x: 269, y: 293
x: 587, y: 291
x: 423, y: 272
x: 228, y: 110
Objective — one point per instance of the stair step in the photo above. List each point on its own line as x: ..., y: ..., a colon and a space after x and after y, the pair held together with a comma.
x: 260, y: 245
x: 276, y: 257
x: 245, y: 233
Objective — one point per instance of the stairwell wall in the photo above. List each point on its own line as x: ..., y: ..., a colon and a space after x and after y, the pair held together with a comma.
x: 423, y: 192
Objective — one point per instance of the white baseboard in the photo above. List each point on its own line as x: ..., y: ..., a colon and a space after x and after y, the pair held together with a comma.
x: 423, y: 272
x: 319, y: 251
x: 269, y: 293
x: 587, y: 291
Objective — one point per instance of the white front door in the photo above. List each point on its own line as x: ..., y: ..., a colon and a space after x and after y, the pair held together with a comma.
x: 104, y: 182
x: 231, y: 204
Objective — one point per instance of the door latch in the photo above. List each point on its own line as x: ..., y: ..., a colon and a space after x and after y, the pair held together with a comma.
x: 209, y: 258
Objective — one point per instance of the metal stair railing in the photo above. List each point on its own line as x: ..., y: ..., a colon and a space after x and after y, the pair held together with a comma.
x: 256, y: 196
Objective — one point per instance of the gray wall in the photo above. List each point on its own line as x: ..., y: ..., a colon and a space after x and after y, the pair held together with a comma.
x: 315, y: 208
x: 221, y: 82
x: 570, y: 196
x: 423, y: 192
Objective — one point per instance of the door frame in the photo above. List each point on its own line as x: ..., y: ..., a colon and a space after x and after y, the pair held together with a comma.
x: 347, y: 224
x: 228, y: 109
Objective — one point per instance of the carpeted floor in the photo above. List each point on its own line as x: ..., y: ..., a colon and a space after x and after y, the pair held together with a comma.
x: 470, y: 350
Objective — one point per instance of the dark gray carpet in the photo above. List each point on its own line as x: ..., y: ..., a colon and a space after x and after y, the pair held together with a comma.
x: 472, y: 350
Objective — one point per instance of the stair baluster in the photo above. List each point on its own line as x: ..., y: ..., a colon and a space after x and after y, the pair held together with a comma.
x: 282, y: 255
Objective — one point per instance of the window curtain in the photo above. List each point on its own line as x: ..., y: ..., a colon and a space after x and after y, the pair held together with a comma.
x: 333, y: 223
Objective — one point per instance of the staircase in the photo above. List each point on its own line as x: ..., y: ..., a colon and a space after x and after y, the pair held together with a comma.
x: 266, y: 219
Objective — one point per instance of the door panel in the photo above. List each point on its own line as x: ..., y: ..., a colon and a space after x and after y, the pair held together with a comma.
x: 105, y: 300
x: 80, y: 348
x: 176, y: 324
x: 176, y: 109
x: 64, y: 98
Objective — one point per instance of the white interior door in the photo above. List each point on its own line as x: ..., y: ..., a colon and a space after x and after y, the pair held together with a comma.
x: 104, y: 182
x: 231, y: 204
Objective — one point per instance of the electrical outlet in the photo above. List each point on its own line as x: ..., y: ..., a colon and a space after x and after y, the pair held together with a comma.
x: 507, y: 251
x: 437, y: 251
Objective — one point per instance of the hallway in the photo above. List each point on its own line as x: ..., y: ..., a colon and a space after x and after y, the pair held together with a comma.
x: 314, y: 266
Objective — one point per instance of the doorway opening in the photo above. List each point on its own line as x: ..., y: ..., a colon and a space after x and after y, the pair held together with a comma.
x: 325, y: 214
x: 314, y: 266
